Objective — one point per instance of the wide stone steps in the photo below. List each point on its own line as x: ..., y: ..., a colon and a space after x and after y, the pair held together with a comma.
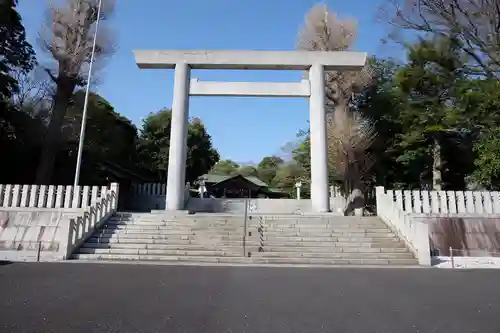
x: 239, y: 253
x: 165, y: 252
x: 236, y: 247
x: 171, y: 228
x: 167, y: 246
x: 246, y: 260
x: 220, y: 238
x: 346, y: 249
x: 164, y: 241
x: 269, y: 241
x: 239, y: 233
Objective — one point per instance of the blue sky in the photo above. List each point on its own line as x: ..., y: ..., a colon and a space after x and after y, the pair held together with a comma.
x: 242, y: 128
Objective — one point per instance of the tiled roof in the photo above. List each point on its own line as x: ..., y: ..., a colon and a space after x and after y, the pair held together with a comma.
x: 210, y: 178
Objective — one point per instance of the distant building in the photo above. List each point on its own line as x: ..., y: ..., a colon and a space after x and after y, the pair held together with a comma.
x: 238, y: 186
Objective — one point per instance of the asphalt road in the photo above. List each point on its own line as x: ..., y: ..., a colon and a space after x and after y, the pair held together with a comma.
x: 89, y: 298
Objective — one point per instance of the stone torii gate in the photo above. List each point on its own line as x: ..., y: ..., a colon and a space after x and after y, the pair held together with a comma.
x: 315, y: 62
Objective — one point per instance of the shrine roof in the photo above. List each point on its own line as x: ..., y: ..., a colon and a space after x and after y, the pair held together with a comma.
x: 211, y: 178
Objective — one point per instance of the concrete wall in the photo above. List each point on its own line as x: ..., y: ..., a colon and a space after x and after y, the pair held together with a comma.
x: 262, y: 206
x: 25, y: 233
x: 47, y: 234
x: 469, y: 236
x: 146, y: 203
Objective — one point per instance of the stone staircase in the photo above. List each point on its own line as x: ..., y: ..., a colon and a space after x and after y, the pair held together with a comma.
x: 337, y: 240
x: 219, y: 238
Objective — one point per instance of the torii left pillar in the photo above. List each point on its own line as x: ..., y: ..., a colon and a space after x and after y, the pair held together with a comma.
x: 178, y: 138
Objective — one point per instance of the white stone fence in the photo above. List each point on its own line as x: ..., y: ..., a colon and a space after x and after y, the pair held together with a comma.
x: 151, y: 196
x: 446, y: 202
x: 152, y: 189
x: 409, y: 212
x: 48, y: 196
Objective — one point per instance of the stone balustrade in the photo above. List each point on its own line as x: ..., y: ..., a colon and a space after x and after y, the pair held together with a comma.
x: 446, y: 202
x: 436, y: 220
x: 49, y: 196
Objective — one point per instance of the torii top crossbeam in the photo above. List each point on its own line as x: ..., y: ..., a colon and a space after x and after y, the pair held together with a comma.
x: 241, y: 59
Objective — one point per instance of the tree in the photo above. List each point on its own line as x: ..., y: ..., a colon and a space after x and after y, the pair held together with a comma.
x: 480, y: 100
x: 154, y: 145
x: 18, y: 130
x: 15, y: 52
x: 154, y: 142
x: 427, y: 86
x: 34, y: 93
x: 287, y: 176
x: 324, y: 31
x: 108, y: 135
x: 471, y: 25
x: 270, y: 162
x: 487, y: 172
x: 302, y: 159
x: 68, y: 38
x: 247, y: 171
x: 379, y: 102
x: 201, y: 156
x: 349, y: 141
x: 225, y: 167
x: 268, y: 167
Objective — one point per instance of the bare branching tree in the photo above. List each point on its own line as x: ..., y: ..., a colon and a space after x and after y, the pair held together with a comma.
x: 474, y: 25
x: 67, y: 36
x: 349, y: 136
x: 348, y: 145
x: 35, y: 91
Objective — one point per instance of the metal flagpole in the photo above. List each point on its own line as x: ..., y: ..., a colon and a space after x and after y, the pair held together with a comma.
x: 85, y: 105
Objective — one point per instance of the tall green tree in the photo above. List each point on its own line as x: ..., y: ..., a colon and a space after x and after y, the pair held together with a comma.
x: 154, y: 145
x: 427, y: 109
x: 18, y: 131
x: 108, y: 135
x: 379, y: 103
x: 480, y: 100
x: 225, y: 168
x: 201, y: 156
x: 268, y: 167
x: 287, y: 176
x: 15, y: 51
x: 248, y: 170
x: 487, y: 163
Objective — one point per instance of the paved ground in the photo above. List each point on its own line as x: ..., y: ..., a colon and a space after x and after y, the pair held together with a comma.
x: 147, y: 298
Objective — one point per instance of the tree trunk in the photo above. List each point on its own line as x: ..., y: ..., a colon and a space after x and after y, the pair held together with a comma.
x: 354, y: 186
x: 436, y: 165
x: 52, y: 139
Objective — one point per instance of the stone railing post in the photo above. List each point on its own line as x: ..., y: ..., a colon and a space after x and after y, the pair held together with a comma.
x: 114, y: 195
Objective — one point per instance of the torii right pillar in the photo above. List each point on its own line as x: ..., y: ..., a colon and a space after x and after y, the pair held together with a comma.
x: 319, y: 154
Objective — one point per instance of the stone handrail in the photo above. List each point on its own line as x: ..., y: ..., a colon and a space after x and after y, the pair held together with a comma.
x: 413, y: 231
x: 82, y: 227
